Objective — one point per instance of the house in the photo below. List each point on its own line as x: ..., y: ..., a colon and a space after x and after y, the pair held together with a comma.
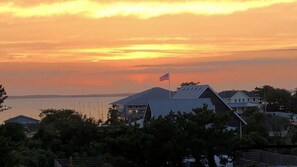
x: 133, y: 107
x: 241, y: 100
x: 202, y: 91
x: 28, y: 123
x: 203, y: 94
x: 190, y: 97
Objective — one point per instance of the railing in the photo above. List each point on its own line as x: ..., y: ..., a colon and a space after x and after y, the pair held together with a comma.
x: 81, y: 162
x: 278, y: 159
x: 246, y: 162
x: 266, y: 158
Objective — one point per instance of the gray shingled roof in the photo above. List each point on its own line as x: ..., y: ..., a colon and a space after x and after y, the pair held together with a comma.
x: 194, y: 92
x: 250, y: 93
x: 230, y: 93
x: 22, y: 120
x: 163, y: 107
x: 142, y: 98
x: 190, y: 92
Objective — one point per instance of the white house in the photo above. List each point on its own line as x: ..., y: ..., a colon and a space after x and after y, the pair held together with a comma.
x: 241, y: 100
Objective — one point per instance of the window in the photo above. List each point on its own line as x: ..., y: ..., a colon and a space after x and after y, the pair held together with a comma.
x: 254, y: 99
x: 239, y: 100
x: 242, y: 100
x: 235, y: 100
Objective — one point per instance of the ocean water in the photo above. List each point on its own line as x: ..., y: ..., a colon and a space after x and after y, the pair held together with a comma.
x: 96, y: 107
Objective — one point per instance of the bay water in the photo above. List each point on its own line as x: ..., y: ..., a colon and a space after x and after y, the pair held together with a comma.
x: 96, y: 107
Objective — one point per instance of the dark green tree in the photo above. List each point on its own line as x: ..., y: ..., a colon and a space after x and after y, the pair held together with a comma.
x: 187, y: 84
x: 200, y: 133
x: 275, y: 99
x: 293, y: 134
x: 209, y: 134
x: 15, y: 149
x: 66, y: 132
x: 256, y: 132
x: 13, y: 131
x: 113, y: 116
x: 164, y: 141
x: 293, y: 102
x: 12, y: 136
x: 167, y: 142
x: 3, y: 96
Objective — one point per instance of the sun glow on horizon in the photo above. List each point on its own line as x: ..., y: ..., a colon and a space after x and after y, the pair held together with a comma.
x: 142, y: 10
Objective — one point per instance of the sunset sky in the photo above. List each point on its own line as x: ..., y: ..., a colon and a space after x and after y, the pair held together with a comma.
x: 109, y: 46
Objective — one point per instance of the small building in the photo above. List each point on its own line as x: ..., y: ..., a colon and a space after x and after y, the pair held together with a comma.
x: 241, y: 100
x: 28, y: 123
x: 21, y: 119
x: 133, y: 107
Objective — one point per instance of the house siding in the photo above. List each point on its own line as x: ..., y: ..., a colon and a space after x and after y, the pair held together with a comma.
x: 240, y: 98
x: 216, y: 101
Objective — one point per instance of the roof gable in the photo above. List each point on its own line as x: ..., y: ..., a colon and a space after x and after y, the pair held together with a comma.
x: 250, y: 93
x: 231, y: 93
x: 240, y: 93
x: 227, y: 94
x: 142, y: 98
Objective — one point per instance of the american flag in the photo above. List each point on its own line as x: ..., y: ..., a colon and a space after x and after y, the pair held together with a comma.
x: 164, y: 77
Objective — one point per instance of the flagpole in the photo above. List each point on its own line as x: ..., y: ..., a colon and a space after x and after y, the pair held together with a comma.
x: 169, y: 86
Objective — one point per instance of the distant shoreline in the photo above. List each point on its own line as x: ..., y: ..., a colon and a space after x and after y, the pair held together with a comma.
x: 69, y: 96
